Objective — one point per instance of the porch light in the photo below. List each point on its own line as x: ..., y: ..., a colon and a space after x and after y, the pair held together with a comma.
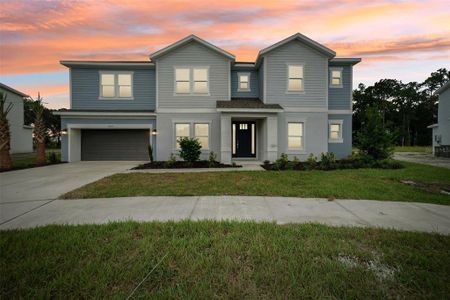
x: 64, y: 131
x: 154, y: 132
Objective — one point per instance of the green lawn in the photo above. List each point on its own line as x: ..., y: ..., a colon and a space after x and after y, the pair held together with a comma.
x: 208, y: 260
x: 28, y: 160
x: 425, y: 149
x: 379, y: 184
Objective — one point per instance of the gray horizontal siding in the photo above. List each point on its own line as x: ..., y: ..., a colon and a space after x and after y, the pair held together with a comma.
x: 192, y: 54
x: 341, y: 98
x: 315, y: 72
x: 254, y: 85
x: 261, y: 80
x: 85, y: 91
x: 342, y: 150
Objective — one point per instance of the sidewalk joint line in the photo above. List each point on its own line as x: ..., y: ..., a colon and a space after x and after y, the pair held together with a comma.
x: 352, y: 213
x: 18, y: 216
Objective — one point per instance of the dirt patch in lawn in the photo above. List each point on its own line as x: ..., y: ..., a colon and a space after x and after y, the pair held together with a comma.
x: 433, y: 187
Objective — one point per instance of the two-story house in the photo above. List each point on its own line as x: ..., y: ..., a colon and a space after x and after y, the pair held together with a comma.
x: 296, y: 98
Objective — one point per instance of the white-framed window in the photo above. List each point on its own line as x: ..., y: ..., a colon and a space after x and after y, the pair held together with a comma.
x: 295, y: 135
x: 336, y: 77
x: 116, y: 85
x: 243, y: 82
x: 191, y: 80
x: 335, y: 131
x: 181, y: 130
x: 295, y: 78
x: 201, y: 132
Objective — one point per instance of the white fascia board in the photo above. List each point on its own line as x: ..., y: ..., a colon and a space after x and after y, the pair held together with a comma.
x: 93, y: 113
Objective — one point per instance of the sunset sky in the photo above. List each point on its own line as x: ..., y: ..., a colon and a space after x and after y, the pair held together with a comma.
x: 406, y: 40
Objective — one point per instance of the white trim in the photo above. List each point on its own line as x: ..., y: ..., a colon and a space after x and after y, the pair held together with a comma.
x: 335, y: 122
x: 248, y: 89
x: 330, y: 77
x: 250, y: 110
x: 302, y: 91
x: 340, y: 112
x: 70, y: 63
x: 306, y: 109
x: 112, y: 113
x: 191, y: 80
x: 301, y: 150
x: 265, y: 79
x: 116, y: 84
x: 187, y: 40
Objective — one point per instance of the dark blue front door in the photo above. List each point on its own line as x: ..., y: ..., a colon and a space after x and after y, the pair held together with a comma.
x: 244, y: 139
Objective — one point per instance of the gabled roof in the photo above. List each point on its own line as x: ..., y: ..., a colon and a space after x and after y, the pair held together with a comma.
x: 10, y: 89
x: 187, y: 40
x: 302, y: 38
x: 443, y: 88
x: 247, y: 104
x: 104, y: 63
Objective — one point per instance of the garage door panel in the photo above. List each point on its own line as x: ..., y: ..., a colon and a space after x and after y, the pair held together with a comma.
x: 114, y: 144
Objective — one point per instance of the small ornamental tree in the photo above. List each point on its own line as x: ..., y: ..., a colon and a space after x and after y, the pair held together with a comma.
x: 374, y: 140
x: 190, y: 149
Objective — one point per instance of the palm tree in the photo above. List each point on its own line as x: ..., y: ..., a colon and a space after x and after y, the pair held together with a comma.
x: 5, y: 134
x: 40, y: 130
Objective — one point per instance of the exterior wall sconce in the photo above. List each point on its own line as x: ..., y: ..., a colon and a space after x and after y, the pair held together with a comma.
x: 154, y: 132
x: 64, y: 131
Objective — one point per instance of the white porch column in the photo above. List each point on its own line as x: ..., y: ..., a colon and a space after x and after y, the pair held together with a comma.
x: 272, y: 138
x: 225, y: 139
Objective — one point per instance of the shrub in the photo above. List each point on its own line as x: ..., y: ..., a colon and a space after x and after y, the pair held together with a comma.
x: 374, y: 139
x: 387, y: 164
x: 267, y: 162
x: 282, y: 162
x: 296, y: 164
x: 312, y: 161
x: 172, y: 161
x: 190, y: 149
x: 150, y: 153
x: 212, y: 159
x: 328, y: 161
x: 53, y: 158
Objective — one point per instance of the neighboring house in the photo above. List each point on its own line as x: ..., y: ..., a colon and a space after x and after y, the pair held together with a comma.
x: 441, y: 130
x: 296, y: 98
x: 21, y: 134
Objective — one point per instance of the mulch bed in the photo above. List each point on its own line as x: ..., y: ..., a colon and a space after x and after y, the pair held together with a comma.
x: 182, y: 165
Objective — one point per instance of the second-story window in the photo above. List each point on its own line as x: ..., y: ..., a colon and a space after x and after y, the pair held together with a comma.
x: 295, y: 78
x: 116, y: 85
x: 244, y: 82
x: 336, y: 77
x: 191, y: 80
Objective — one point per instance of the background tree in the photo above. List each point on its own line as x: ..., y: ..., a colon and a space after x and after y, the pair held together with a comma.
x: 39, y: 130
x: 5, y: 134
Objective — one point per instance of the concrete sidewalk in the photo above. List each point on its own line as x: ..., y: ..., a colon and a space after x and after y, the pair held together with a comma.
x: 386, y: 214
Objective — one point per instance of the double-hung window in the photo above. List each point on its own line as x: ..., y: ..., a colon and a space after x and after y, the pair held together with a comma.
x: 335, y: 131
x: 295, y: 78
x: 182, y: 130
x: 191, y: 80
x: 336, y: 77
x: 244, y: 82
x: 202, y: 134
x: 116, y: 85
x: 295, y: 135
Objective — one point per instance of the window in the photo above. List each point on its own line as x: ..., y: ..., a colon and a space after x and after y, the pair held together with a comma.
x: 116, y: 85
x: 336, y: 77
x: 295, y: 136
x: 202, y: 134
x: 335, y: 131
x: 181, y: 130
x: 191, y: 80
x: 182, y: 81
x: 295, y: 78
x: 244, y: 82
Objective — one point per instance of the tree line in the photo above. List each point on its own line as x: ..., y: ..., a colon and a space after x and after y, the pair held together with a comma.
x: 406, y: 109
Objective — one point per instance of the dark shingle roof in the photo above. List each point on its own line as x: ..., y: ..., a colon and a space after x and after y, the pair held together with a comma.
x: 252, y: 103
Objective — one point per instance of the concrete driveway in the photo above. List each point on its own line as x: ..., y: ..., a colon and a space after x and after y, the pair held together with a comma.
x: 25, y: 190
x: 423, y: 158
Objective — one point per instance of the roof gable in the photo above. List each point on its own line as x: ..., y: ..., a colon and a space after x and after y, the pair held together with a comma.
x: 443, y: 88
x: 185, y: 41
x: 303, y: 39
x: 10, y: 89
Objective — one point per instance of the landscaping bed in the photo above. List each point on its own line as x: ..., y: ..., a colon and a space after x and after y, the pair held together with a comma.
x: 184, y: 165
x: 210, y: 260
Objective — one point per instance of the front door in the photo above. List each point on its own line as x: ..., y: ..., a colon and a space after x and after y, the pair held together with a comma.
x: 244, y: 139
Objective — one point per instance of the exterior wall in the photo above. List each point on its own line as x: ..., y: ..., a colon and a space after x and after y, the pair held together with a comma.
x: 444, y: 117
x: 85, y: 90
x: 261, y: 80
x: 254, y: 84
x: 315, y: 134
x: 65, y: 121
x: 344, y: 149
x: 315, y: 70
x: 21, y: 137
x: 340, y: 98
x: 192, y: 54
x: 166, y: 132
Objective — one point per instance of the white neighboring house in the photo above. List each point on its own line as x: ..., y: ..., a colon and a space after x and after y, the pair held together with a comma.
x: 441, y: 130
x: 21, y: 134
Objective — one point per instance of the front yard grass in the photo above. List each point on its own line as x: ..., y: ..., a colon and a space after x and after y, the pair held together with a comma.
x: 208, y: 260
x: 424, y: 149
x: 376, y: 184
